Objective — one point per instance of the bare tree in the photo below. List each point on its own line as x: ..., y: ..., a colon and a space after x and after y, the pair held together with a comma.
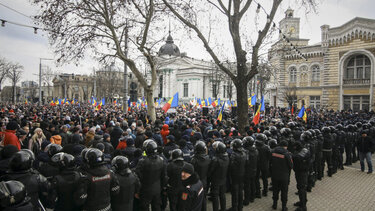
x: 234, y: 12
x: 289, y: 96
x: 14, y: 75
x: 4, y: 69
x: 47, y: 77
x: 76, y: 27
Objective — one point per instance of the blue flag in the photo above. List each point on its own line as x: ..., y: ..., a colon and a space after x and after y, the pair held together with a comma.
x: 301, y: 112
x: 262, y: 104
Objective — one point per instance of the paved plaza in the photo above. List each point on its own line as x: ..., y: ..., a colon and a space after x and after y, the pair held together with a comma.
x: 348, y: 189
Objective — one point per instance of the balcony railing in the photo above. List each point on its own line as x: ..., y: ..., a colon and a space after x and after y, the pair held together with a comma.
x: 356, y: 81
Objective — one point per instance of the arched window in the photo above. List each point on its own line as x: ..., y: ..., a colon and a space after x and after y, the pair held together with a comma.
x: 358, y: 67
x: 315, y: 76
x: 292, y: 75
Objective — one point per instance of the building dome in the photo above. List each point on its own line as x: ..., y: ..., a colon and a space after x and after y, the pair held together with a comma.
x: 169, y: 48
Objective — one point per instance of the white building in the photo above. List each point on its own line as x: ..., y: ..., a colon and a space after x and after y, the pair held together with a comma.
x: 191, y: 78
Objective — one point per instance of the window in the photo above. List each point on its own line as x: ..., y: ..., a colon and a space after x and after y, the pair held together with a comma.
x: 358, y: 67
x: 315, y: 102
x: 292, y: 75
x: 186, y: 89
x: 356, y: 102
x: 214, y: 90
x: 315, y: 73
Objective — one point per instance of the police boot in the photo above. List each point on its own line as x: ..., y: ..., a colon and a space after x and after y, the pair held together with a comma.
x: 301, y: 209
x: 274, y: 206
x: 297, y: 204
x: 264, y: 192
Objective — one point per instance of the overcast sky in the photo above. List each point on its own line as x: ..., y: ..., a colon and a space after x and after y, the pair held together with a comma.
x: 19, y: 44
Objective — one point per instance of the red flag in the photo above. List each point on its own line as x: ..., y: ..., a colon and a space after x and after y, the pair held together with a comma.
x: 257, y: 116
x: 292, y: 109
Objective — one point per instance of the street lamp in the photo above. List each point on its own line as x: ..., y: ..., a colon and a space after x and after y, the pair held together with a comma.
x: 40, y: 79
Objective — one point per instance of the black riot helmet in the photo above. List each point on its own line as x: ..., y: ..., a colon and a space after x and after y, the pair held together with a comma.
x: 339, y: 127
x: 83, y: 154
x: 279, y: 125
x: 219, y: 147
x: 306, y: 136
x: 272, y: 143
x: 200, y: 147
x: 312, y: 131
x: 176, y: 154
x: 236, y: 144
x: 64, y: 160
x: 151, y: 147
x: 21, y: 160
x: 273, y: 130
x: 248, y: 141
x: 120, y: 163
x: 11, y: 193
x: 317, y: 131
x: 267, y: 133
x: 94, y: 157
x: 262, y: 137
x: 285, y: 132
x: 358, y: 124
x: 291, y: 125
x: 53, y: 149
x: 326, y: 130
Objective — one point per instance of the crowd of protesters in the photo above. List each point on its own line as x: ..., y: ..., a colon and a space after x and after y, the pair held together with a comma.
x: 71, y: 157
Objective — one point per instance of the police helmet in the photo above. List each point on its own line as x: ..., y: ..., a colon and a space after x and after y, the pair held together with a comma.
x: 339, y: 127
x: 285, y: 131
x: 94, y: 157
x: 291, y: 125
x: 21, y: 160
x: 200, y: 147
x: 358, y: 124
x: 176, y: 154
x: 11, y: 193
x: 52, y: 149
x: 83, y: 154
x: 262, y: 137
x: 306, y: 136
x: 272, y: 143
x: 317, y: 131
x: 326, y: 130
x: 273, y: 129
x: 219, y: 147
x: 280, y: 125
x: 267, y: 133
x: 120, y: 163
x: 64, y: 160
x: 236, y: 144
x: 151, y: 147
x: 248, y: 141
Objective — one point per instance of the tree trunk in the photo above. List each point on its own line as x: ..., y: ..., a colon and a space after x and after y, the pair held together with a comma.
x: 242, y: 105
x: 14, y: 93
x: 150, y: 104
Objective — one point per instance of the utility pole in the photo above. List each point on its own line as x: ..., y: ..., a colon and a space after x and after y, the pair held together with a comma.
x: 125, y: 98
x: 40, y: 79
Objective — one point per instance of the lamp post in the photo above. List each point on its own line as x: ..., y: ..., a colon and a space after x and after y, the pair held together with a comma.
x: 40, y: 79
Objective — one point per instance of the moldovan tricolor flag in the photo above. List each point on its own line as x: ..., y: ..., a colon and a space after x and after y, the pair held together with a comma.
x: 257, y: 116
x: 302, y: 114
x: 220, y: 116
x: 173, y: 102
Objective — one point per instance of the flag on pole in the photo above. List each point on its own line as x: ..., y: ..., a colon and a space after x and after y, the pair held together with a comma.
x: 302, y: 114
x: 262, y: 107
x: 173, y: 102
x: 253, y: 99
x: 257, y: 116
x: 220, y: 116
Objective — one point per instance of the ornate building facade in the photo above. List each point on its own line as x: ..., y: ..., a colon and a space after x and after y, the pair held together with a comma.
x: 337, y: 73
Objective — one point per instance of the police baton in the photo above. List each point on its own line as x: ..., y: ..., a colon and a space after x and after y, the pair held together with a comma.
x: 41, y: 205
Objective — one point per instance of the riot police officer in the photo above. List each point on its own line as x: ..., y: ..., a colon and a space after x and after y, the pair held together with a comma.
x: 66, y: 183
x: 201, y: 162
x: 129, y: 184
x: 49, y: 169
x: 250, y: 169
x: 327, y: 150
x: 100, y: 183
x: 21, y: 170
x: 263, y: 164
x: 301, y: 164
x: 151, y: 171
x: 237, y: 173
x: 218, y: 175
x: 174, y: 169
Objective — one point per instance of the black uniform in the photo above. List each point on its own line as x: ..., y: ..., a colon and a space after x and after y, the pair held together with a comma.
x: 201, y: 163
x: 237, y: 175
x: 319, y: 157
x: 69, y: 196
x: 262, y: 167
x: 282, y: 164
x: 129, y: 185
x: 301, y: 160
x: 250, y: 173
x: 174, y: 186
x: 151, y: 171
x: 100, y: 184
x: 328, y: 143
x: 35, y: 184
x: 218, y: 175
x: 192, y: 196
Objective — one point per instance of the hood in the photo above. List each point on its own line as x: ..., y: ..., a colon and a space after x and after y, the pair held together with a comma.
x: 165, y: 127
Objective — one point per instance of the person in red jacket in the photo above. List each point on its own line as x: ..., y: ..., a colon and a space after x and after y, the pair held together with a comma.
x: 122, y: 144
x: 164, y: 133
x: 10, y: 137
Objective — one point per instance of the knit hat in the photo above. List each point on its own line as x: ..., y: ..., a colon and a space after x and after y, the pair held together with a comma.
x: 129, y: 141
x: 12, y: 125
x: 188, y: 168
